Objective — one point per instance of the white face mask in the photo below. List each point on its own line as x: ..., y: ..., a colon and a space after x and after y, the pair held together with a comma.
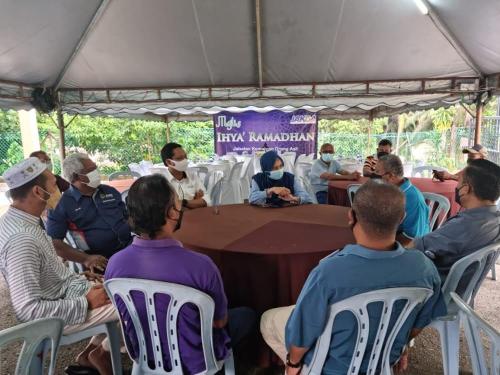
x: 49, y: 166
x: 181, y: 165
x: 94, y: 178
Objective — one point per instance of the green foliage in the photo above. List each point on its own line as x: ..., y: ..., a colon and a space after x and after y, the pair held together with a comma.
x: 442, y: 118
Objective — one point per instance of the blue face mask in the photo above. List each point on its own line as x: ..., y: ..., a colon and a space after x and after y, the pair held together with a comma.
x: 276, y: 175
x: 327, y: 157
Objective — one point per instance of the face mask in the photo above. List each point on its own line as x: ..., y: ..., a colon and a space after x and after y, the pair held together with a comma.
x: 54, y: 199
x: 327, y: 157
x: 457, y: 194
x: 381, y: 154
x: 276, y: 175
x: 46, y: 192
x: 94, y: 179
x: 181, y: 165
x: 49, y: 166
x: 179, y: 219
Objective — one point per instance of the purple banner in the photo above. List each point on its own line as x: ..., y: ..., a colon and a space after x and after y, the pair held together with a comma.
x: 253, y: 131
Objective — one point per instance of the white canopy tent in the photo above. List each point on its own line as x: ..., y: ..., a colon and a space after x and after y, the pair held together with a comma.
x: 344, y: 58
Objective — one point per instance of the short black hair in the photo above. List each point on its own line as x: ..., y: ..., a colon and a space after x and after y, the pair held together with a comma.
x: 148, y: 201
x: 37, y: 153
x: 379, y: 208
x: 385, y: 142
x: 484, y: 178
x: 393, y: 164
x: 167, y: 152
x: 21, y: 192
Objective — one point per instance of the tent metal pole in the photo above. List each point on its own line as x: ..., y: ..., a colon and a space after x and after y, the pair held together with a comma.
x: 479, y: 119
x: 81, y: 42
x: 259, y: 44
x: 60, y: 126
x: 450, y: 37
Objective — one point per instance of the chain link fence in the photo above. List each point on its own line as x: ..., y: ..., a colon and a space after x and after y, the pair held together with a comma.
x: 490, y: 137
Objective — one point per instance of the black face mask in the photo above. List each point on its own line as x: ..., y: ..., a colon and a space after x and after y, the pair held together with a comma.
x: 179, y: 219
x: 457, y: 194
x: 354, y: 219
x: 381, y: 154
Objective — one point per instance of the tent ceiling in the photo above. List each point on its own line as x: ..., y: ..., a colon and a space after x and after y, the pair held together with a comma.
x: 210, y: 45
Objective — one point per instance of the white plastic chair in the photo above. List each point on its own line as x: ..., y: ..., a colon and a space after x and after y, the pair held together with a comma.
x: 302, y: 169
x: 179, y: 296
x: 311, y: 156
x: 123, y: 175
x: 449, y: 325
x: 216, y: 193
x: 302, y: 158
x: 202, y: 172
x: 76, y: 241
x: 439, y: 206
x: 424, y: 171
x: 246, y: 178
x: 213, y: 178
x: 308, y: 187
x: 476, y: 328
x: 109, y: 329
x: 135, y: 167
x: 351, y: 191
x: 384, y: 340
x: 231, y: 193
x: 36, y: 336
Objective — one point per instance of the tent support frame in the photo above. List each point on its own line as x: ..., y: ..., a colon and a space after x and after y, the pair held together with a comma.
x: 259, y: 44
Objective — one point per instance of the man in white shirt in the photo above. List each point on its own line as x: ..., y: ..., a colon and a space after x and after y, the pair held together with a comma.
x: 187, y: 185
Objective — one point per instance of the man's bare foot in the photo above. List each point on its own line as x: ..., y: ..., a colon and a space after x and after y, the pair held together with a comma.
x: 101, y: 360
x: 83, y: 358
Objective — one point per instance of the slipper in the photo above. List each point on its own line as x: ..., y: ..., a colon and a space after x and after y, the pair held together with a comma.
x: 80, y: 370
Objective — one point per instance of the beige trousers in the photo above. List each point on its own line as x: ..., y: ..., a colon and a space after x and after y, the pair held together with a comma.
x: 272, y: 327
x: 95, y: 317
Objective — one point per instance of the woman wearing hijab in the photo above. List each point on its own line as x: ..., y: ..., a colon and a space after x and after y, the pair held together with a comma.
x: 275, y: 187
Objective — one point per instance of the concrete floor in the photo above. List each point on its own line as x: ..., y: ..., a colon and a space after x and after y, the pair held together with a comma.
x: 425, y: 357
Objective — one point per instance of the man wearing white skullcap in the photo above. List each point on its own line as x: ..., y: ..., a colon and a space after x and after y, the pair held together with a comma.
x: 40, y: 285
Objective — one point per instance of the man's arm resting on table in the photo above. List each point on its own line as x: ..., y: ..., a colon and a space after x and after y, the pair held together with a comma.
x: 343, y: 175
x: 196, y: 203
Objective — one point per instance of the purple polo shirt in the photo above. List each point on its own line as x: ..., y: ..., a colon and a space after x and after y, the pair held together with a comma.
x: 167, y: 260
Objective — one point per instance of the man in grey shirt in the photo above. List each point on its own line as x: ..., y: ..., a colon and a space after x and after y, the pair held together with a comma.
x: 477, y: 226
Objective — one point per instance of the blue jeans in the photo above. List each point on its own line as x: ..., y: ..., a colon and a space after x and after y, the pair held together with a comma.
x: 322, y: 197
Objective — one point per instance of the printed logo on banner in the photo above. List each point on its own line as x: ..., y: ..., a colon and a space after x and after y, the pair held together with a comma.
x: 223, y: 122
x: 303, y: 119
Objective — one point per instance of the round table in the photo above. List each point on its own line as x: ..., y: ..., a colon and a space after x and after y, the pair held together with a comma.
x: 337, y: 190
x: 265, y: 254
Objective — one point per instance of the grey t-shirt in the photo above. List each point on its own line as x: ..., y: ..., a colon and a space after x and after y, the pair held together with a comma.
x: 461, y: 235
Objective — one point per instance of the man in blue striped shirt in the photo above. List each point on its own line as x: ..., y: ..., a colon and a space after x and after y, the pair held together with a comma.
x: 40, y: 285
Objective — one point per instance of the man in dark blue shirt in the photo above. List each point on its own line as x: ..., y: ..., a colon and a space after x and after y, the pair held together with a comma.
x: 93, y: 213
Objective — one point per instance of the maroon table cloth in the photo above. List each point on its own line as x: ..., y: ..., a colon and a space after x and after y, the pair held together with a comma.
x: 337, y: 191
x: 265, y: 254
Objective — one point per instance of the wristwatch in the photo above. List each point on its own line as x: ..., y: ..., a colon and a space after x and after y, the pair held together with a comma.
x: 291, y: 364
x: 184, y: 203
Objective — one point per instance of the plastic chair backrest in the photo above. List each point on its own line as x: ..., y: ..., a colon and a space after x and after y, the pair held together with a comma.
x: 439, y: 206
x: 235, y: 173
x: 484, y: 258
x: 351, y: 191
x: 216, y: 193
x: 213, y: 178
x: 301, y: 159
x: 202, y: 173
x: 135, y: 167
x: 303, y: 169
x: 179, y: 296
x: 476, y: 328
x: 34, y: 334
x: 424, y: 171
x: 384, y: 340
x: 311, y: 156
x: 308, y: 187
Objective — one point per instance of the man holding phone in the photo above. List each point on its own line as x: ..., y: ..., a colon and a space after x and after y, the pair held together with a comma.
x: 473, y: 153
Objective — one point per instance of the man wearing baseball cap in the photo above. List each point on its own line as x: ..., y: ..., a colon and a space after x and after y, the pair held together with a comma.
x: 473, y: 153
x: 40, y: 285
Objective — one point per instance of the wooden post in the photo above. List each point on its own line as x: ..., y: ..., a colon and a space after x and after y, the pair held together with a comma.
x: 60, y: 125
x: 479, y: 120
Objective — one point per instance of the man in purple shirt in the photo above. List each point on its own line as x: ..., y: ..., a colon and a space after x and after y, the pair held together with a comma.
x: 155, y: 213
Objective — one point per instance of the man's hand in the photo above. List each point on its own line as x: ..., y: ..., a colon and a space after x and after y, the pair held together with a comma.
x: 93, y: 276
x: 291, y: 198
x: 402, y: 364
x: 95, y: 262
x: 292, y: 371
x: 97, y: 297
x: 354, y: 176
x: 199, y: 194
